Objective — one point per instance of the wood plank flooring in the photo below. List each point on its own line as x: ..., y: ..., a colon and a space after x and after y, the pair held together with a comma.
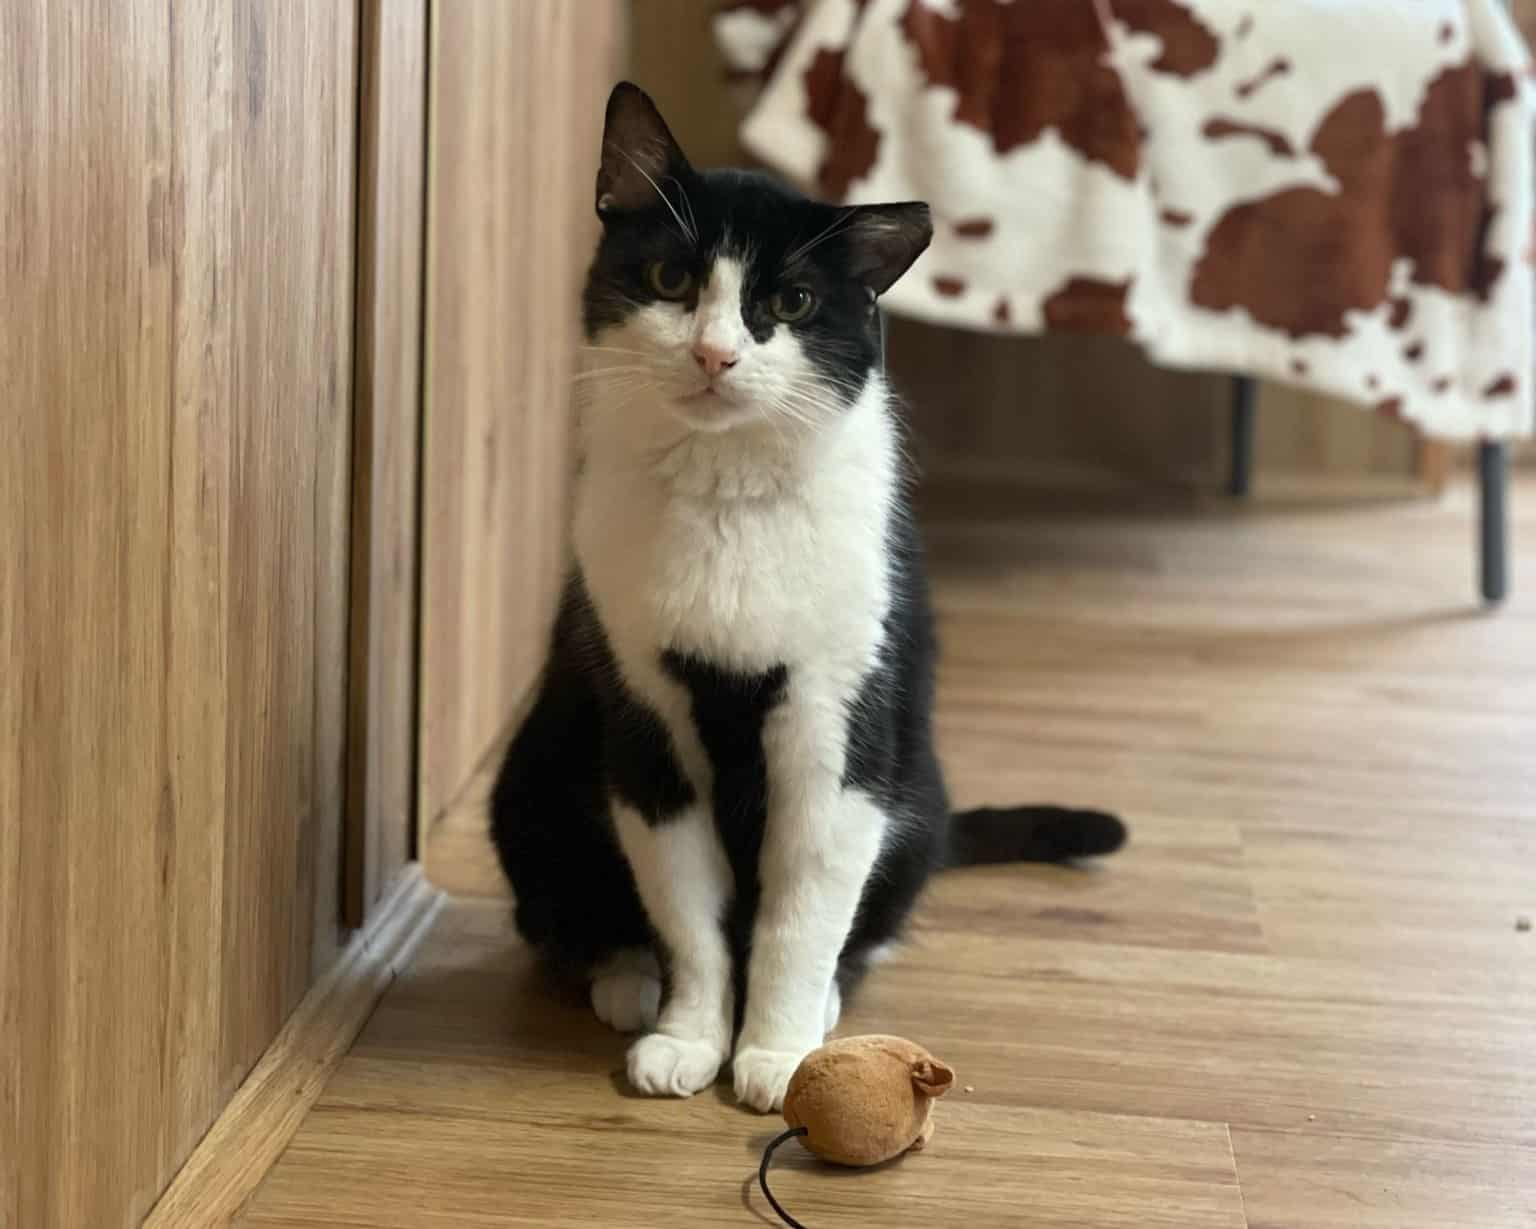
x: 1298, y: 1000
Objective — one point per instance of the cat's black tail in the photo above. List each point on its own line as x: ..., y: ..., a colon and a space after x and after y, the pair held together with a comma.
x: 1031, y: 834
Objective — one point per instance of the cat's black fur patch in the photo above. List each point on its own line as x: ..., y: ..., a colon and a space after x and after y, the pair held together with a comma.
x: 576, y: 898
x: 729, y: 710
x: 891, y: 757
x: 889, y: 720
x: 584, y: 739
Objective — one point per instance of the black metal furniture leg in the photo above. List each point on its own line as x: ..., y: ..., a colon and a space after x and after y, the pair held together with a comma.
x: 1245, y: 398
x: 1493, y: 481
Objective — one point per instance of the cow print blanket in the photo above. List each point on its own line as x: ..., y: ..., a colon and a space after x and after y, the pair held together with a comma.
x: 1336, y: 193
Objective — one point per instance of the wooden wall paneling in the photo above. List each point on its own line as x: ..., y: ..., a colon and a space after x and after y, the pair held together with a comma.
x: 999, y: 409
x: 451, y: 344
x: 287, y: 533
x: 996, y: 409
x: 16, y: 155
x: 324, y: 360
x: 382, y: 716
x: 200, y: 577
x: 673, y: 57
x: 21, y: 303
x: 514, y: 114
x: 1436, y: 461
x: 176, y: 211
x: 86, y: 196
x: 12, y: 538
x: 1307, y: 432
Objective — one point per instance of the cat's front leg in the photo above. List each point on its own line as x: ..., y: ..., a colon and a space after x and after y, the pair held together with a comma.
x: 819, y: 847
x: 684, y: 881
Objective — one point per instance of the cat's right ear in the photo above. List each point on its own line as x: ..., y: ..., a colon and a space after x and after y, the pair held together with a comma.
x: 639, y: 153
x: 884, y: 240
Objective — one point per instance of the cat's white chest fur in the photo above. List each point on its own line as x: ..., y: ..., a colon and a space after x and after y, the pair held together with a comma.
x: 743, y: 551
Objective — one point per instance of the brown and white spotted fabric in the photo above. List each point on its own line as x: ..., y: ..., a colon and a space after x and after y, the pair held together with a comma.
x: 1337, y: 193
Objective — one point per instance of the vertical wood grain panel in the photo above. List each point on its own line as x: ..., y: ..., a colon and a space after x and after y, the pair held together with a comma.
x: 15, y: 152
x: 515, y: 115
x: 21, y: 302
x: 330, y: 43
x: 989, y: 408
x: 200, y: 574
x: 12, y: 537
x: 986, y: 407
x: 386, y: 436
x: 175, y: 230
x: 86, y: 197
x: 291, y: 295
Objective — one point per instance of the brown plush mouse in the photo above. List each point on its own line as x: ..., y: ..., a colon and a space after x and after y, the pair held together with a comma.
x: 864, y: 1100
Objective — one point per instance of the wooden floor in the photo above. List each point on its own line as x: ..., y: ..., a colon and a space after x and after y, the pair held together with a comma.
x: 1299, y: 999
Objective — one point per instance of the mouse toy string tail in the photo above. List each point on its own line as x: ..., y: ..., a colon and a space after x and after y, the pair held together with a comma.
x: 762, y: 1175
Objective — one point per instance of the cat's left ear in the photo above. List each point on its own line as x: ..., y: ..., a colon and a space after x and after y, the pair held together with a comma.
x: 884, y: 240
x: 639, y: 153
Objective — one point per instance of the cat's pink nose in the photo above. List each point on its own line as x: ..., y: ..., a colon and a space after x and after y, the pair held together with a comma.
x: 713, y: 359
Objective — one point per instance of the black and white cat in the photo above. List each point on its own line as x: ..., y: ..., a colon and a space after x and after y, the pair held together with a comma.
x: 725, y: 799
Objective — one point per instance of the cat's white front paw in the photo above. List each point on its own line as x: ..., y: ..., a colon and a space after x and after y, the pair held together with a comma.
x: 762, y: 1076
x: 627, y: 1000
x: 662, y: 1066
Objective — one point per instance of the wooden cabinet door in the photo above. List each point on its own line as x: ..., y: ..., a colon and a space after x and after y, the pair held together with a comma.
x: 176, y: 299
x: 386, y: 444
x: 517, y: 99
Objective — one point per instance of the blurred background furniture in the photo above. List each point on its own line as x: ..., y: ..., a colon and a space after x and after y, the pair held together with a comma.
x: 1228, y: 188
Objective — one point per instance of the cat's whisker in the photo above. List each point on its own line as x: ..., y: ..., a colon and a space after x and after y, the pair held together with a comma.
x: 814, y: 399
x: 619, y: 389
x: 599, y: 373
x: 693, y: 221
x: 593, y: 349
x: 691, y: 236
x: 826, y: 388
x: 838, y: 224
x: 791, y: 410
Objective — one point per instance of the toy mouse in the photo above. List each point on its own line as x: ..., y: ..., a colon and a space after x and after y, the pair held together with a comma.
x: 860, y: 1101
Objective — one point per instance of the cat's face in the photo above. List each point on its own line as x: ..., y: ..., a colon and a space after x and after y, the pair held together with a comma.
x: 722, y: 298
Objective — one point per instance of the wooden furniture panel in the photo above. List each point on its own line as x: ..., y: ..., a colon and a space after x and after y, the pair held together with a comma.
x: 515, y: 116
x: 176, y: 203
x: 994, y: 409
x: 11, y: 623
x: 291, y: 268
x: 392, y: 163
x: 86, y: 192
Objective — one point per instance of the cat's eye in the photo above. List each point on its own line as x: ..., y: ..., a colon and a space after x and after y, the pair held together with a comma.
x: 669, y: 279
x: 792, y: 304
